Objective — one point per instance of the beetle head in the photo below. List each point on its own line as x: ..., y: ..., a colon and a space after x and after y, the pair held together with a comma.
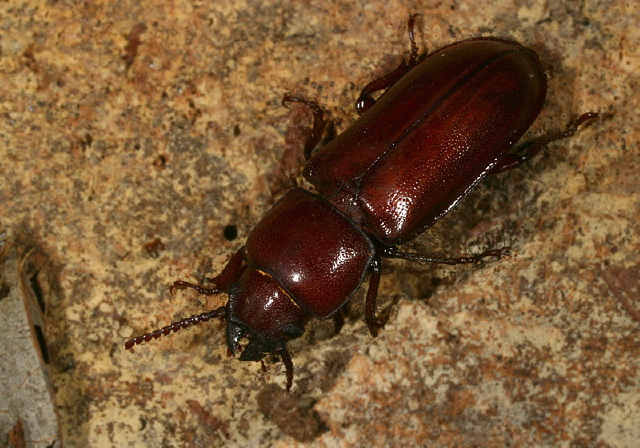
x: 262, y: 311
x: 258, y: 309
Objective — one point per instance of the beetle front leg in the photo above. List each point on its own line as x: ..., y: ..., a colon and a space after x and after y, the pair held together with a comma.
x: 530, y: 149
x: 229, y: 275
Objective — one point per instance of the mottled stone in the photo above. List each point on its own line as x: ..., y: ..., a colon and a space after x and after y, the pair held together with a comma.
x: 127, y: 122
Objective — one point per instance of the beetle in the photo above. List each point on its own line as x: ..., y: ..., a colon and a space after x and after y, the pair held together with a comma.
x: 444, y: 122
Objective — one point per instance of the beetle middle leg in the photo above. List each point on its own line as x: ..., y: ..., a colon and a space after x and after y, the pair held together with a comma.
x: 392, y: 252
x: 530, y: 149
x: 318, y: 123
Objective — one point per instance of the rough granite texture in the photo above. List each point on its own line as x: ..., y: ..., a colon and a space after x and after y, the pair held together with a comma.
x: 124, y: 122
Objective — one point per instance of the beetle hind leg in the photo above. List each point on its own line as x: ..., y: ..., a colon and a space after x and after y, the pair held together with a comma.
x: 530, y: 149
x: 393, y: 252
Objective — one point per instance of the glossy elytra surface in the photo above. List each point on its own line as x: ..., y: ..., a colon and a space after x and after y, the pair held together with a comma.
x: 431, y: 137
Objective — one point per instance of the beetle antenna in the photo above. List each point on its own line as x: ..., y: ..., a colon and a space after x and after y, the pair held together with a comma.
x: 219, y: 313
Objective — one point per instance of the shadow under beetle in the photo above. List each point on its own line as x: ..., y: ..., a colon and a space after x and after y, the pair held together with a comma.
x: 444, y: 122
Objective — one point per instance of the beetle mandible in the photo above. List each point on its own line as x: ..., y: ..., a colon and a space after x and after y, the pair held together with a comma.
x: 443, y: 123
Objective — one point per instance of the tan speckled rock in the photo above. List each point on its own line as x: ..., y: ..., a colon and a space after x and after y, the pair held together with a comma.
x: 100, y: 155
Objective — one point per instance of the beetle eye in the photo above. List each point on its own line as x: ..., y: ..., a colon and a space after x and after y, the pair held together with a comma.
x: 293, y: 331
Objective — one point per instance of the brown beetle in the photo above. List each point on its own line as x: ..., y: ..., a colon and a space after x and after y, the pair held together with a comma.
x: 444, y: 123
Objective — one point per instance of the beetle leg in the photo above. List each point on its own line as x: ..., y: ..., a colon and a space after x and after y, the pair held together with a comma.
x: 413, y: 59
x: 338, y: 318
x: 229, y: 275
x: 530, y: 149
x: 281, y: 350
x: 393, y: 252
x: 318, y: 123
x: 372, y: 295
x: 365, y: 101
